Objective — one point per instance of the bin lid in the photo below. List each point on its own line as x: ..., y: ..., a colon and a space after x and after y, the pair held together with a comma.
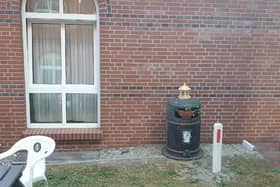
x: 185, y: 104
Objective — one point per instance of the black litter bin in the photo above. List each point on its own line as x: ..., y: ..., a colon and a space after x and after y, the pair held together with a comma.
x: 183, y: 127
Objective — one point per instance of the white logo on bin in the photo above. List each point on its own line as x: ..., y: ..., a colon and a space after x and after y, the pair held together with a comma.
x: 187, y: 136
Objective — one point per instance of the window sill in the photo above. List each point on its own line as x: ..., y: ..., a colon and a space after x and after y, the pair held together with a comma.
x: 67, y: 134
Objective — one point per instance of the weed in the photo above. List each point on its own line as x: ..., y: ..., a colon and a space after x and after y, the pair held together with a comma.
x: 276, y: 170
x: 196, y: 163
x: 220, y: 183
x: 168, y: 172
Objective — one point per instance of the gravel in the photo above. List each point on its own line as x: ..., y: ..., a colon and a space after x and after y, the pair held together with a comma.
x: 139, y: 153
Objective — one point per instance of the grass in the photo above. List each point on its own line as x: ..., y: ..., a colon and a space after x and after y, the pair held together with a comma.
x: 126, y: 176
x: 146, y: 175
x: 252, y: 171
x: 245, y: 171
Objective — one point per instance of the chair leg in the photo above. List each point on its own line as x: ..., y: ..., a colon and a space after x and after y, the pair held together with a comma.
x: 46, y: 181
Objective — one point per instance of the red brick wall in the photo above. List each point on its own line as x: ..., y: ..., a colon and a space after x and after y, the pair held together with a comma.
x: 12, y: 99
x: 227, y: 51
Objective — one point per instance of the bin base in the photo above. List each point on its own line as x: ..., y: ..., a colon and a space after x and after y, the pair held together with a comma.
x: 180, y: 156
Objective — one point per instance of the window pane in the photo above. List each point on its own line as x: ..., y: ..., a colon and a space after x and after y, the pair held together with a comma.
x: 79, y: 54
x: 46, y: 54
x: 81, y: 108
x: 79, y: 6
x: 45, y: 108
x: 43, y: 6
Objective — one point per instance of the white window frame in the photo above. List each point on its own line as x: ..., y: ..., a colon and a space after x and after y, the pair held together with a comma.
x: 31, y: 17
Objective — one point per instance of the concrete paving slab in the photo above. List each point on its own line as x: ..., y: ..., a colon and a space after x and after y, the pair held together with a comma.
x: 269, y: 152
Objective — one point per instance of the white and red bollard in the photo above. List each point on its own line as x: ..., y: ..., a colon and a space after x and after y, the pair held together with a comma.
x: 217, y: 147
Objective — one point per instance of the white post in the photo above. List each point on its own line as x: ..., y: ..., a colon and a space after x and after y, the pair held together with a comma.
x: 217, y: 147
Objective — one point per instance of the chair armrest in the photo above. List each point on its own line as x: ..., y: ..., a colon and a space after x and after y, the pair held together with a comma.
x: 6, y: 154
x: 33, y: 162
x: 30, y: 166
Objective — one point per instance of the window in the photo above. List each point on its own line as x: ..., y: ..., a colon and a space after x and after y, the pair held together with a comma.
x: 61, y: 46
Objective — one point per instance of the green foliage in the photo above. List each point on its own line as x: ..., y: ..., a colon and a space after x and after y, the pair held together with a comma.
x: 196, y: 162
x: 276, y: 170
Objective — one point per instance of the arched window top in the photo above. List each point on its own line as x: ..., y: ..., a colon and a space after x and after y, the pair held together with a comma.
x: 61, y: 6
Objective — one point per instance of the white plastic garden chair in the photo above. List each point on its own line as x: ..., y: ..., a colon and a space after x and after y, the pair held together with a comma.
x: 38, y: 148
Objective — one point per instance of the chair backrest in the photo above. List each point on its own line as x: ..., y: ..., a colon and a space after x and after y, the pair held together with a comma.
x: 38, y: 148
x: 35, y: 146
